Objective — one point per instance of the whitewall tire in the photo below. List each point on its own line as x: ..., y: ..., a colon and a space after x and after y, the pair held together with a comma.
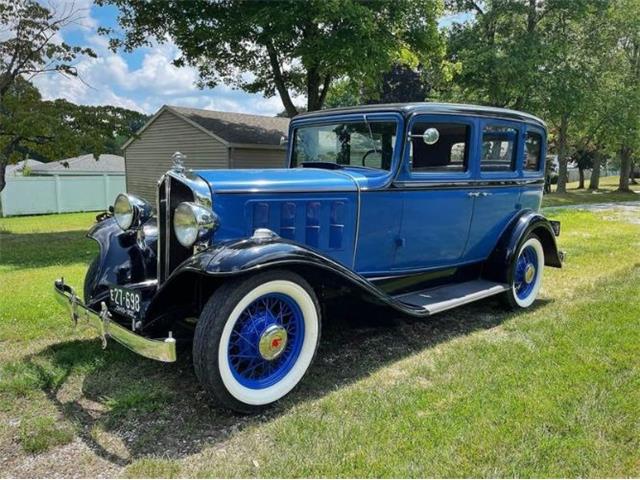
x: 256, y: 339
x: 526, y: 273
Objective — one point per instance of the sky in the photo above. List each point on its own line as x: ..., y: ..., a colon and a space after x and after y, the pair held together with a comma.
x: 142, y: 80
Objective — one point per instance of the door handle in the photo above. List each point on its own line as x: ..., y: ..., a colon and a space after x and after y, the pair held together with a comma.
x: 473, y: 194
x: 485, y: 194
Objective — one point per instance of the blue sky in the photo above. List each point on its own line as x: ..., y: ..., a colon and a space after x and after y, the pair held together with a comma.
x: 143, y: 80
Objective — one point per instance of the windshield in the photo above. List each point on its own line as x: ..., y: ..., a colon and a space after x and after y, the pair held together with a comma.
x: 359, y: 144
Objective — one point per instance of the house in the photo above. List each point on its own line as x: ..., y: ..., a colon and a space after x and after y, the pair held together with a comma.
x: 82, y: 165
x: 209, y: 139
x: 18, y: 168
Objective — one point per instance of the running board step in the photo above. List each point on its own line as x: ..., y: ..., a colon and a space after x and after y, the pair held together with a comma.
x: 444, y: 297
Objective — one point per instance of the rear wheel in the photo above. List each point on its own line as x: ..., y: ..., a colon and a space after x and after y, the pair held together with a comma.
x: 256, y: 338
x: 526, y: 274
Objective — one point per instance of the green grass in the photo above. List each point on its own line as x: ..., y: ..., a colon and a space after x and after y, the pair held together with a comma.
x: 39, y: 434
x: 606, y: 193
x: 552, y: 391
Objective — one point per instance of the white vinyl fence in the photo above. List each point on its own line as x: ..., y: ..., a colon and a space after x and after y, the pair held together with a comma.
x: 60, y: 193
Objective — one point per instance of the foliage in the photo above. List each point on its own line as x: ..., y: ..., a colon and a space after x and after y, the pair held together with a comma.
x: 288, y: 47
x: 400, y: 84
x: 576, y: 64
x: 29, y: 47
x: 51, y: 130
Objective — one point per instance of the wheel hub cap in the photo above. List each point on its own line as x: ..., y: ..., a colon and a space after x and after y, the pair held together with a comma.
x: 529, y: 273
x: 272, y: 342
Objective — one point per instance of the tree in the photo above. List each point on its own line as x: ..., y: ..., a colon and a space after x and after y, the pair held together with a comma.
x: 29, y: 48
x: 289, y: 48
x: 584, y: 160
x: 625, y: 130
x: 50, y: 130
x: 540, y: 56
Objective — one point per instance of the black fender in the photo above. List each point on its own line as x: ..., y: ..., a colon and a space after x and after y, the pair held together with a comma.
x: 121, y: 260
x: 498, y: 264
x: 242, y: 257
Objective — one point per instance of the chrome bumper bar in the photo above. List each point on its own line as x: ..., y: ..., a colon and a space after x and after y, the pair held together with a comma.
x: 162, y: 350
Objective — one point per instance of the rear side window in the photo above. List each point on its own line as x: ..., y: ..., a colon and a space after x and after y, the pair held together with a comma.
x: 439, y: 147
x: 499, y: 148
x: 532, y: 151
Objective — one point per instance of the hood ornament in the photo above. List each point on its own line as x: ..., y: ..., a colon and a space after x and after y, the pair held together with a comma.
x: 178, y: 162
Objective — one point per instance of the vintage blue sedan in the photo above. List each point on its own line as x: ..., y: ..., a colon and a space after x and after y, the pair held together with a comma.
x: 417, y: 208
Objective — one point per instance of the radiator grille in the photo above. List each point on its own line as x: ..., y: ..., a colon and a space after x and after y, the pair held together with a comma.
x: 171, y: 192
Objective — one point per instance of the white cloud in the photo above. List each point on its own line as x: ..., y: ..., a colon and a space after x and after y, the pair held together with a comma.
x: 111, y: 78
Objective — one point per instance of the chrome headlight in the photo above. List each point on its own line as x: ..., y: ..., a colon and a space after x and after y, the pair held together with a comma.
x: 131, y: 211
x: 192, y: 222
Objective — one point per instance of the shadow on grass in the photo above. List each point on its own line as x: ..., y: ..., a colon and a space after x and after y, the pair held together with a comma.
x: 126, y: 407
x: 37, y: 250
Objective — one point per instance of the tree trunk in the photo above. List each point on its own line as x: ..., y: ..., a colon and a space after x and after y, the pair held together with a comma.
x: 3, y: 167
x: 625, y: 169
x: 594, y: 183
x: 279, y: 82
x: 562, y: 154
x: 6, y: 152
x: 581, y: 178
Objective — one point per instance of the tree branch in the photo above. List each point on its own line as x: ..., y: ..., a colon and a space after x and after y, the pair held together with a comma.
x: 279, y: 81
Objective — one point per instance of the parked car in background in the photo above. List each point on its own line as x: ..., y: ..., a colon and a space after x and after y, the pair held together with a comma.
x: 417, y: 208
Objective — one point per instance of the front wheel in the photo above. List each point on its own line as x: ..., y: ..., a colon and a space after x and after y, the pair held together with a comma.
x: 526, y: 274
x: 256, y: 338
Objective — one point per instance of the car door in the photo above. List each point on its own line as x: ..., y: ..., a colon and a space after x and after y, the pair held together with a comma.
x: 499, y: 171
x: 437, y: 205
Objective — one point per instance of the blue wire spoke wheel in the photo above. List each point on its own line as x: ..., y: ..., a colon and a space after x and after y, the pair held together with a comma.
x: 527, y: 274
x: 268, y: 341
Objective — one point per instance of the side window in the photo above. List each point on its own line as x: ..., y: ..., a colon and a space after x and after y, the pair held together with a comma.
x: 499, y: 149
x: 532, y: 151
x: 439, y: 147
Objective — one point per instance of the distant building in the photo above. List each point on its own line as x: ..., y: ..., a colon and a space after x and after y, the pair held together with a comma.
x: 82, y: 165
x: 18, y: 168
x: 210, y: 139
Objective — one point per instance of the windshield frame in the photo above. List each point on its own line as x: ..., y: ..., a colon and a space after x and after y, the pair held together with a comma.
x: 395, y: 117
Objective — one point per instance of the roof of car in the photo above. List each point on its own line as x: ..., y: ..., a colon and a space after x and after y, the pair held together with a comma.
x: 407, y: 109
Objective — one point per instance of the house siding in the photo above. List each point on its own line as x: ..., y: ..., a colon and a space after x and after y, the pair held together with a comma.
x: 148, y: 157
x: 257, y: 158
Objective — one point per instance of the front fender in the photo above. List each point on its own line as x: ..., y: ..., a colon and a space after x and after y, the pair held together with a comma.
x: 528, y: 222
x: 121, y: 260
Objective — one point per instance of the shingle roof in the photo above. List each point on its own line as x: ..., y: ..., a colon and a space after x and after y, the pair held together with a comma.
x: 238, y: 128
x: 17, y: 168
x: 106, y: 163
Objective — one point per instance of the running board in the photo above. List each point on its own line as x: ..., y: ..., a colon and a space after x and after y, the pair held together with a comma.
x: 439, y: 299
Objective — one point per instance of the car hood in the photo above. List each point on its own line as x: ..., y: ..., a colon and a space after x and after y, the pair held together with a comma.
x: 278, y: 180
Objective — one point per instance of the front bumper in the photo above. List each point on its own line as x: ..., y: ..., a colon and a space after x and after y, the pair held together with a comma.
x: 161, y: 350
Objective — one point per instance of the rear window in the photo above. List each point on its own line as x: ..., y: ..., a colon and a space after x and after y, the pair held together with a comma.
x: 532, y: 151
x: 499, y: 148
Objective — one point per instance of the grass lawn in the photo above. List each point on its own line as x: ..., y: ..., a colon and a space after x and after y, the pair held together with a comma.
x: 550, y: 392
x: 606, y: 193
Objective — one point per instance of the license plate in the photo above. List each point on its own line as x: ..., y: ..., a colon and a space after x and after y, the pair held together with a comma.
x: 124, y: 301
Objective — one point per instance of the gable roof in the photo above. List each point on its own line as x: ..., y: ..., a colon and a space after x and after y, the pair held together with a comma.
x: 232, y: 129
x: 106, y: 163
x: 18, y: 168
